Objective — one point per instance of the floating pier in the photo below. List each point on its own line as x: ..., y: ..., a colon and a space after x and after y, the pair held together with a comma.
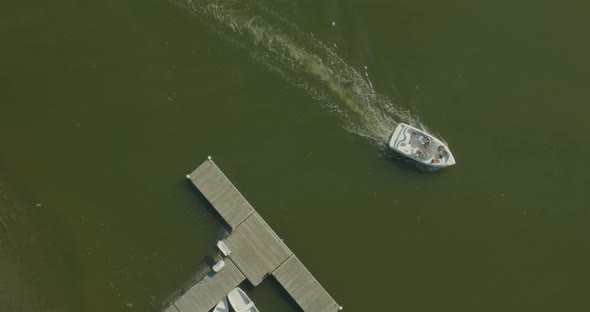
x: 254, y: 252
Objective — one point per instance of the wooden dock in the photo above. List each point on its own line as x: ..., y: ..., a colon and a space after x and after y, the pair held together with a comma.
x: 303, y: 287
x: 209, y: 291
x: 256, y: 252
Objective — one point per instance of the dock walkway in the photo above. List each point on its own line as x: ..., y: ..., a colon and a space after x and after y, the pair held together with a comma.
x: 256, y: 252
x: 209, y: 291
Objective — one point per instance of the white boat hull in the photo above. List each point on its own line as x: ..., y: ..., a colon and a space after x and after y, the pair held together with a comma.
x: 240, y: 302
x: 222, y: 306
x: 421, y: 147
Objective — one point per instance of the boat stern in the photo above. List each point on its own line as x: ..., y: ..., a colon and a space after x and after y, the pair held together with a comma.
x: 395, y: 136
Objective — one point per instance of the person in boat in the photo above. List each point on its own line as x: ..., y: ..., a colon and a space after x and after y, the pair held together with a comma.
x: 427, y: 143
x: 442, y: 151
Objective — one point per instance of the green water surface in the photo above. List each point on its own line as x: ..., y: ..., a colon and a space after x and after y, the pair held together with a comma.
x: 106, y: 105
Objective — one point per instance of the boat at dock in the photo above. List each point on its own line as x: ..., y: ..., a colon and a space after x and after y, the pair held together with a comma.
x: 222, y: 306
x: 255, y: 253
x: 240, y: 302
x: 420, y: 146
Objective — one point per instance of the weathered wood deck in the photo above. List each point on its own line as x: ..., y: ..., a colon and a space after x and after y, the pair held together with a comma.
x: 221, y: 193
x: 210, y: 290
x: 303, y: 287
x: 256, y: 249
x: 256, y: 252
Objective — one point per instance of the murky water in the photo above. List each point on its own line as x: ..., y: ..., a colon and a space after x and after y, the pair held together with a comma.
x: 105, y: 106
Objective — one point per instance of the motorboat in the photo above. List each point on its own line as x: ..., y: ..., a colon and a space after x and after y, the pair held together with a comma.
x: 420, y: 146
x: 240, y: 302
x: 222, y: 306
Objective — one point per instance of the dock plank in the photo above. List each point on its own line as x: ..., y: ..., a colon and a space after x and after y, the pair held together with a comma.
x: 303, y: 287
x: 221, y: 193
x: 210, y: 290
x: 256, y: 249
x: 172, y: 308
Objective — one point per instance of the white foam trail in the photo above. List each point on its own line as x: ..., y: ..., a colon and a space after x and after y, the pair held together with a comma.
x: 305, y: 62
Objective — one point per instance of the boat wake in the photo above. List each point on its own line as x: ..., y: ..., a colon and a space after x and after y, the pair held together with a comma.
x: 305, y: 62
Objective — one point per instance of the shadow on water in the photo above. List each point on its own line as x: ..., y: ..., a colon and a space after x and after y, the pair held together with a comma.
x: 279, y: 300
x: 203, y: 202
x: 213, y: 256
x: 206, y: 270
x: 37, y: 266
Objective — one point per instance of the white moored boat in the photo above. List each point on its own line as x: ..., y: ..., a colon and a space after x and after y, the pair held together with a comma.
x: 420, y: 146
x: 240, y: 302
x: 222, y: 306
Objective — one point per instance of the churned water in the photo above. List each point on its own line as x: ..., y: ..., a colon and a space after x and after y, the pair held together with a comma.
x: 306, y: 62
